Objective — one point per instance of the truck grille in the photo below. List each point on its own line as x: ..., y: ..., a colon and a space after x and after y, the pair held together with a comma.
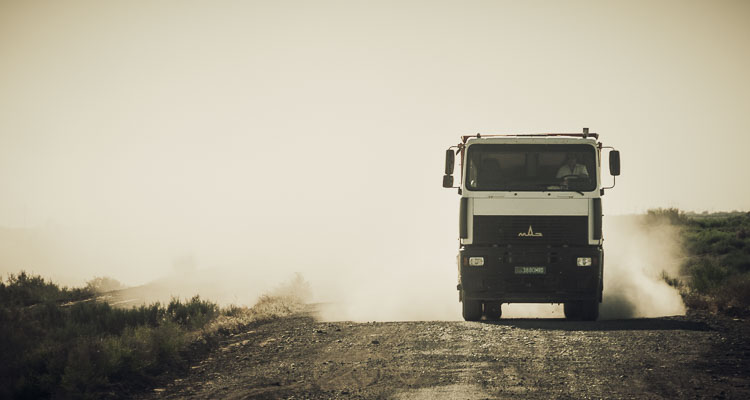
x: 530, y: 230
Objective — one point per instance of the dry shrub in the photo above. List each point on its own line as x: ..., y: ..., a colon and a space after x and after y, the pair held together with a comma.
x: 297, y: 287
x: 734, y: 296
x: 269, y: 307
x: 104, y: 284
x: 54, y: 345
x: 698, y: 301
x: 234, y: 318
x: 716, y: 262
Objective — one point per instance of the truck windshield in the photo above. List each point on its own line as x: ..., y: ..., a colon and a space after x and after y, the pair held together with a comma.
x: 531, y: 167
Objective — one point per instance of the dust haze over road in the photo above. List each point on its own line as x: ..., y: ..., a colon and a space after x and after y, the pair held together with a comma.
x: 404, y: 288
x: 406, y: 284
x: 636, y: 254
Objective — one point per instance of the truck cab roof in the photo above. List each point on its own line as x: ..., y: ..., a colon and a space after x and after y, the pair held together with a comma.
x: 520, y: 139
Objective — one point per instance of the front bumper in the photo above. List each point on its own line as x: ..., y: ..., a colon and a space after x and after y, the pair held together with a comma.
x: 562, y: 281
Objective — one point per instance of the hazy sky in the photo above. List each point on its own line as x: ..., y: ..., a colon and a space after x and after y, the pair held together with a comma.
x: 314, y: 131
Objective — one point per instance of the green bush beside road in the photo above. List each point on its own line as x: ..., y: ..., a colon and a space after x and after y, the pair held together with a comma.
x: 63, y: 343
x: 716, y: 267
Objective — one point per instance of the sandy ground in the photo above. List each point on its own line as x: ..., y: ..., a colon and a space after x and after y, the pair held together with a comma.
x: 696, y: 356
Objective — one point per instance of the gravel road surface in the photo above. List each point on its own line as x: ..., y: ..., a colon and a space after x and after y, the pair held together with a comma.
x: 695, y: 356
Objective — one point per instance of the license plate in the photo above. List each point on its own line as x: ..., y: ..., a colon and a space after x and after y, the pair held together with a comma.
x: 531, y: 270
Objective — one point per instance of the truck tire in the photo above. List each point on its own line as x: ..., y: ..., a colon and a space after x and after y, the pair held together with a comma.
x: 472, y: 309
x: 582, y: 310
x: 590, y: 310
x: 573, y: 311
x: 492, y: 310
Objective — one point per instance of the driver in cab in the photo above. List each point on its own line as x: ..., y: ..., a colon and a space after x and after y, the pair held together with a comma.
x: 571, y: 169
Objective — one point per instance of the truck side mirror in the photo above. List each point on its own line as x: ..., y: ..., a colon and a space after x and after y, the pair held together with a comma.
x: 447, y: 181
x: 614, y: 163
x: 450, y: 159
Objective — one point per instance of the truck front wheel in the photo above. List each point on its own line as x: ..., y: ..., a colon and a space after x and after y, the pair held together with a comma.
x: 472, y: 309
x: 590, y: 310
x: 572, y: 311
x: 492, y: 310
x: 582, y: 310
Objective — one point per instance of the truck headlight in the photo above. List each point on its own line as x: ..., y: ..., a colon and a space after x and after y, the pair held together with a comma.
x: 476, y: 261
x: 583, y: 261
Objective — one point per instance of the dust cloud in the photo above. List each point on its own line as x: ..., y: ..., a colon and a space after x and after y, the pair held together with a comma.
x: 395, y: 292
x: 637, y: 253
x: 368, y: 282
x: 364, y: 276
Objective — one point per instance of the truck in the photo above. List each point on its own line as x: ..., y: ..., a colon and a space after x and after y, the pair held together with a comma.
x: 530, y: 221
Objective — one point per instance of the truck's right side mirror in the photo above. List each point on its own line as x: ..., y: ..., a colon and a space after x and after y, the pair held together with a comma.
x: 614, y: 163
x: 450, y: 159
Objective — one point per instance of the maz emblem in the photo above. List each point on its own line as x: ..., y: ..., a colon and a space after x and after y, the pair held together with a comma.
x: 530, y: 233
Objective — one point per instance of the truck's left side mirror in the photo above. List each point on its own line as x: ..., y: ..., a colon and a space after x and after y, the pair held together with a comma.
x: 450, y: 159
x: 614, y: 163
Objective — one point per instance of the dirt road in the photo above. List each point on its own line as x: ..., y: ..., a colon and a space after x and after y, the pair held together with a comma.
x: 698, y: 356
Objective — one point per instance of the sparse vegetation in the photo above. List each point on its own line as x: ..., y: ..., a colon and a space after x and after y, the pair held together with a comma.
x: 60, y: 342
x: 717, y: 263
x: 103, y: 284
x: 26, y: 290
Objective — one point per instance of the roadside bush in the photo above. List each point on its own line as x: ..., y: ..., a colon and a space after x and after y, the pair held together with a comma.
x: 671, y: 281
x: 62, y: 343
x: 193, y: 314
x: 734, y: 297
x: 706, y: 273
x: 103, y: 284
x: 737, y: 261
x: 26, y: 290
x: 717, y: 261
x: 82, y: 373
x: 672, y: 215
